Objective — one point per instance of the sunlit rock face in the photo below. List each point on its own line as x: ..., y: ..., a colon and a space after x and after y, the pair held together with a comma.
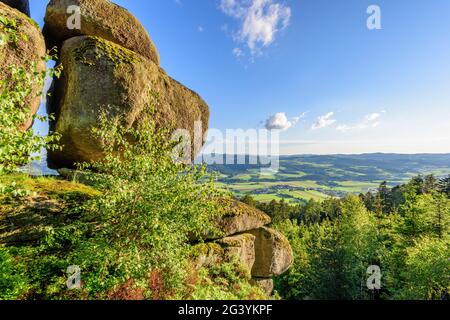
x: 100, y: 18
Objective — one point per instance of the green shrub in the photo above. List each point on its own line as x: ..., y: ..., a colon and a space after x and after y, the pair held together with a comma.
x: 225, y: 281
x: 13, y: 279
x: 149, y: 208
x: 17, y: 146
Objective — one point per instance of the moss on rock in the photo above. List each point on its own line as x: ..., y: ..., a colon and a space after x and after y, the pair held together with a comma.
x: 100, y: 74
x: 95, y: 48
x: 237, y: 217
x: 51, y: 202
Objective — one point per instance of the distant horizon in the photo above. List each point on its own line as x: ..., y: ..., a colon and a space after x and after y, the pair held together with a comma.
x: 353, y: 154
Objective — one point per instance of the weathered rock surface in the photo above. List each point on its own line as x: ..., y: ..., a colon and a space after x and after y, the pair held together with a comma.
x: 21, y: 5
x: 266, y: 284
x: 28, y: 48
x: 239, y: 217
x: 241, y: 247
x: 273, y: 253
x: 100, y: 74
x: 100, y: 18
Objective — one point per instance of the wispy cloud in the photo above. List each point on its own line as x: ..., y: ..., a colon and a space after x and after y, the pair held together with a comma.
x: 280, y: 121
x: 259, y: 21
x: 237, y: 52
x: 324, y: 121
x: 371, y: 120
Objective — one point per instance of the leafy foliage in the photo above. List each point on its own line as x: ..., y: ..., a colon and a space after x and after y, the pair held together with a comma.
x: 404, y: 230
x: 225, y: 281
x: 18, y: 146
x: 132, y: 238
x: 8, y: 31
x: 149, y: 208
x: 13, y: 281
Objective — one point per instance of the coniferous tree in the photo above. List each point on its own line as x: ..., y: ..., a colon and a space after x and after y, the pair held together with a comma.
x: 430, y: 183
x: 417, y: 184
x: 440, y: 219
x: 444, y: 185
x: 385, y: 198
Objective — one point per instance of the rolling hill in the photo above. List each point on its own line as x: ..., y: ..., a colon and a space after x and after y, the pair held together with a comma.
x: 305, y: 177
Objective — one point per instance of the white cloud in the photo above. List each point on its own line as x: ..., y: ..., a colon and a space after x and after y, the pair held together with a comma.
x: 371, y: 120
x: 238, y: 52
x: 280, y: 121
x: 296, y: 120
x: 260, y: 21
x: 324, y: 121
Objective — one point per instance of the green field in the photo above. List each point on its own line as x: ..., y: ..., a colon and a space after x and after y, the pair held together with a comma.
x: 302, y: 178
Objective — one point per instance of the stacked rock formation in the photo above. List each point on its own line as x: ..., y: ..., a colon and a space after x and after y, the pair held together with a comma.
x: 110, y: 62
x: 264, y: 251
x: 114, y: 63
x: 26, y: 49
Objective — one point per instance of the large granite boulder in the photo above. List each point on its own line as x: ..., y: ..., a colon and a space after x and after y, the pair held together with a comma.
x: 238, y: 217
x: 99, y: 74
x: 239, y: 248
x: 21, y: 5
x: 265, y: 284
x: 27, y: 48
x: 273, y: 253
x: 100, y: 18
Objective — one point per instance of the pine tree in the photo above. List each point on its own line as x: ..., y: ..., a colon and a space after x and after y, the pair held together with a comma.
x: 385, y: 198
x: 440, y: 219
x: 417, y: 183
x: 444, y: 185
x: 430, y: 184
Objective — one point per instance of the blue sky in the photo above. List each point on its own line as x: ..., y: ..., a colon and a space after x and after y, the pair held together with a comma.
x: 311, y: 67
